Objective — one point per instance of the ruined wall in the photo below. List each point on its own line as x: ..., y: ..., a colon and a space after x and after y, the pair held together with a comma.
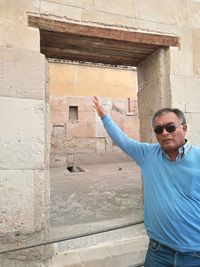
x: 180, y: 18
x: 24, y: 142
x: 77, y: 133
x: 24, y: 109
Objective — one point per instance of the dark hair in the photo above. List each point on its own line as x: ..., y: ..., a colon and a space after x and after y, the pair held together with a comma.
x: 177, y: 111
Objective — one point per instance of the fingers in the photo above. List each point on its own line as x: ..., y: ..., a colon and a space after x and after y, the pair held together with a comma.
x: 96, y: 102
x: 97, y: 105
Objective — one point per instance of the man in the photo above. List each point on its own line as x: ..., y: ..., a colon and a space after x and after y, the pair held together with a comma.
x: 171, y: 173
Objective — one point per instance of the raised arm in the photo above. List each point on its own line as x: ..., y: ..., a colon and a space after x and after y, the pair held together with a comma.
x: 131, y: 147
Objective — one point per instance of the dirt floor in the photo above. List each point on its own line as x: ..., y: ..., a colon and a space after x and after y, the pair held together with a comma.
x: 100, y: 192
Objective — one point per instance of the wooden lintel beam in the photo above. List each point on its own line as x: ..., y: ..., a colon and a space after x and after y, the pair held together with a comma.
x: 100, y: 55
x: 107, y: 33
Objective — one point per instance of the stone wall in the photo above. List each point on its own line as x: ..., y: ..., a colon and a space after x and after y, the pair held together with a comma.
x: 80, y: 137
x: 180, y: 18
x: 25, y: 137
x: 24, y: 183
x: 83, y: 139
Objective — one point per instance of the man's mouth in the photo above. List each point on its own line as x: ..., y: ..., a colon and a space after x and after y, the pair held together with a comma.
x: 167, y: 141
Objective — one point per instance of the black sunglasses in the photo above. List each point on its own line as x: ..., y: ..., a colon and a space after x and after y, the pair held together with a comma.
x: 170, y: 128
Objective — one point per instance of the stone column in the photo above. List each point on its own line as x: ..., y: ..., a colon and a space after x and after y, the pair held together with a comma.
x: 24, y: 137
x: 154, y: 90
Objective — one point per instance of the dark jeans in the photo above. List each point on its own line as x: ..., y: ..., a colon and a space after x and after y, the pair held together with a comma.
x: 159, y: 255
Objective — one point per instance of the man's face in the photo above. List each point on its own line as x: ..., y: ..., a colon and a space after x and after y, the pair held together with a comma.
x: 170, y: 141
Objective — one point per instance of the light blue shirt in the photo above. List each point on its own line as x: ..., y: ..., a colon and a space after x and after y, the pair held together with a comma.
x: 183, y: 151
x: 171, y: 190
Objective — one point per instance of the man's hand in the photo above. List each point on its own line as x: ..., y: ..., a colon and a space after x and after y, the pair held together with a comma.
x: 99, y: 108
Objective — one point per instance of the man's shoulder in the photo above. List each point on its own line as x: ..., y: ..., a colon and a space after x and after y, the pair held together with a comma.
x: 195, y: 148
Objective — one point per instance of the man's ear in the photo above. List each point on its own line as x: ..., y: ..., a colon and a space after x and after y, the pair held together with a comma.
x: 185, y: 127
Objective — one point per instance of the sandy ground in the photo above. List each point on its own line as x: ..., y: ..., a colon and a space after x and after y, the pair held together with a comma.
x: 102, y: 192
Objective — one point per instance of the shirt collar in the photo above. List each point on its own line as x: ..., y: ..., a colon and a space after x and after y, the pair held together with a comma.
x: 183, y: 151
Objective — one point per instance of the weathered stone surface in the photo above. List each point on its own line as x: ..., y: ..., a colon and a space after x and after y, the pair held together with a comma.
x: 162, y: 12
x: 192, y: 95
x: 194, y: 14
x: 132, y: 252
x: 73, y: 3
x: 193, y: 128
x: 17, y: 201
x: 96, y: 257
x: 22, y: 133
x: 178, y: 91
x: 84, y: 81
x: 67, y: 260
x: 105, y: 19
x: 60, y: 10
x: 41, y: 192
x: 13, y: 16
x: 22, y: 73
x: 116, y: 7
x: 185, y: 93
x: 196, y: 52
x: 58, y: 118
x: 100, y: 145
x: 154, y: 90
x: 181, y: 60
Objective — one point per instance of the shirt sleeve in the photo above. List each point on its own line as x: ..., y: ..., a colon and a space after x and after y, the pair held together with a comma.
x: 133, y: 148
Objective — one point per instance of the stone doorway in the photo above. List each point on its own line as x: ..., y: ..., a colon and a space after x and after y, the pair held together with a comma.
x: 146, y: 51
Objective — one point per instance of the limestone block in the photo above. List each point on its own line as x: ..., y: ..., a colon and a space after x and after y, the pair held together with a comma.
x: 116, y: 7
x: 131, y: 128
x: 194, y: 14
x: 103, y: 18
x: 154, y: 26
x: 48, y: 129
x: 80, y: 129
x: 173, y: 13
x: 196, y: 52
x: 88, y: 3
x: 58, y: 117
x: 130, y: 252
x: 99, y: 130
x: 41, y: 199
x: 22, y: 73
x: 87, y: 117
x: 100, y: 145
x: 109, y: 144
x: 62, y: 11
x: 22, y: 133
x: 15, y: 12
x: 58, y: 103
x: 14, y: 31
x: 83, y: 146
x: 192, y: 95
x: 17, y: 201
x: 58, y: 139
x: 58, y: 160
x: 182, y: 58
x: 193, y: 128
x: 97, y: 257
x: 178, y: 91
x: 67, y: 260
x: 24, y: 38
x: 75, y: 3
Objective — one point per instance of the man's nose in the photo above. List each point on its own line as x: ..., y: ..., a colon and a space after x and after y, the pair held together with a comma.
x: 165, y: 132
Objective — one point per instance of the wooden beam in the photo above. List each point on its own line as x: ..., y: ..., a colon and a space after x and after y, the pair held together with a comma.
x: 74, y: 40
x: 54, y: 52
x: 107, y: 33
